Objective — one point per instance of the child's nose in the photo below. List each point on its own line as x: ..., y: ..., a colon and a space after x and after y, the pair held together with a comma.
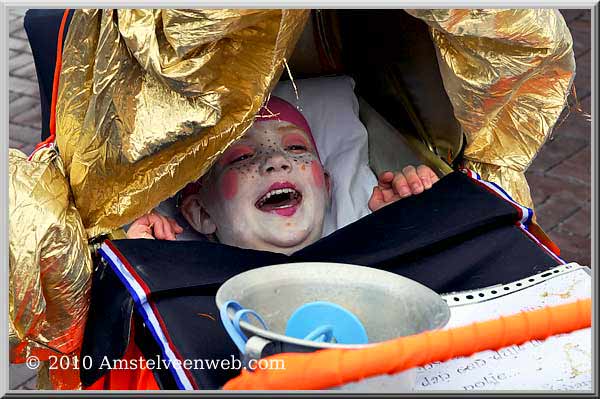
x: 276, y: 163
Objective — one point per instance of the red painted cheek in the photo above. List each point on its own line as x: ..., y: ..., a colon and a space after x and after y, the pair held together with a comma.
x: 317, y: 172
x: 229, y: 184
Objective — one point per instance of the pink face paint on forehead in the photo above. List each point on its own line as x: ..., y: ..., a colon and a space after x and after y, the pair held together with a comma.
x: 229, y: 184
x: 279, y: 109
x: 317, y: 172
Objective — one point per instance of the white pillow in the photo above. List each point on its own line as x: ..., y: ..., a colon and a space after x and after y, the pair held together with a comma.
x: 331, y: 109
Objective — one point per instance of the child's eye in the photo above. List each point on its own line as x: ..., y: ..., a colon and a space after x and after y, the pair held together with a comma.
x: 296, y: 148
x: 242, y: 158
x: 237, y: 153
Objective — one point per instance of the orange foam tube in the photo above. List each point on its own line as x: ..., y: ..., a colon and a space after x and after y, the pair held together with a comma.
x: 333, y: 367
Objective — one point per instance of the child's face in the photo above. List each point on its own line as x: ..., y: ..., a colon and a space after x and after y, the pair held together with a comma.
x: 268, y: 191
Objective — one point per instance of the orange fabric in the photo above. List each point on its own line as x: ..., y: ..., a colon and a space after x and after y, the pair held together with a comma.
x: 334, y: 367
x: 55, y: 82
x: 65, y: 378
x: 127, y: 380
x: 537, y: 231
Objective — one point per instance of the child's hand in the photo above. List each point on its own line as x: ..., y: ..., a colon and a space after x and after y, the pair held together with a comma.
x: 154, y: 225
x: 394, y: 186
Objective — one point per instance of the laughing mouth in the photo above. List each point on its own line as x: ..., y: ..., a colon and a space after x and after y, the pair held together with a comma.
x: 282, y: 199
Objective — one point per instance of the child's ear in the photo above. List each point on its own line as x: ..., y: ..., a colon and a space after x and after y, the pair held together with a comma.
x: 196, y: 215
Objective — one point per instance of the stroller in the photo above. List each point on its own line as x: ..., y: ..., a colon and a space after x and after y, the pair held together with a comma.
x: 404, y: 103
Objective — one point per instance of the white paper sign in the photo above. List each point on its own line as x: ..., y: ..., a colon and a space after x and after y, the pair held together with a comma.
x: 562, y: 362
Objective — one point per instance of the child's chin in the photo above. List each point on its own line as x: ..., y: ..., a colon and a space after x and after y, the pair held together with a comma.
x: 290, y: 242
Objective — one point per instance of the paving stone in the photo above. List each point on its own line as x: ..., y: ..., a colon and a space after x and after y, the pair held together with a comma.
x: 20, y: 33
x: 31, y: 118
x: 576, y: 168
x: 586, y: 16
x: 586, y: 105
x: 571, y: 14
x: 19, y: 374
x: 31, y: 384
x: 24, y: 134
x: 544, y: 186
x: 18, y: 61
x: 573, y: 248
x: 27, y: 71
x: 15, y: 143
x: 582, y: 36
x: 22, y: 104
x: 556, y: 149
x: 578, y: 224
x: 18, y: 44
x: 28, y: 87
x: 12, y: 96
x: 26, y: 148
x: 582, y: 75
x: 578, y: 123
x: 14, y: 25
x: 20, y: 11
x: 554, y: 210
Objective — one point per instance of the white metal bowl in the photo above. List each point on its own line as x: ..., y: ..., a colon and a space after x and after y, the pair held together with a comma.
x: 387, y: 304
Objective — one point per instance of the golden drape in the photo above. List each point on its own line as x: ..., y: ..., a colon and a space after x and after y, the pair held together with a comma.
x: 49, y: 260
x: 149, y: 98
x: 507, y: 74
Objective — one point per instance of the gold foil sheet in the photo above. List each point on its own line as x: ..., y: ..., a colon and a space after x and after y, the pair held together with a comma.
x: 507, y: 74
x: 149, y: 98
x: 49, y: 260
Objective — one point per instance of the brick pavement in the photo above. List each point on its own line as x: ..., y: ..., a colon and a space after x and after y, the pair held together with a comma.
x: 559, y: 176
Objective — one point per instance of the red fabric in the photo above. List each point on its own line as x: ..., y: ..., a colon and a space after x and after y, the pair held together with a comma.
x: 538, y: 233
x: 127, y: 380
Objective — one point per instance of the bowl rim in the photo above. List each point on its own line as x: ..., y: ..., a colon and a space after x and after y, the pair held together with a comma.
x: 276, y: 337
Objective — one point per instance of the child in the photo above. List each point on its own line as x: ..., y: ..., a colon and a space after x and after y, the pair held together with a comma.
x: 269, y: 191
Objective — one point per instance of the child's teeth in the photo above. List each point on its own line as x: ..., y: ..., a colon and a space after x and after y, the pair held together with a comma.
x: 276, y: 192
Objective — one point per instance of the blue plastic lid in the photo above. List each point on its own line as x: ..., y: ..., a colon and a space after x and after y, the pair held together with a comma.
x: 329, y: 320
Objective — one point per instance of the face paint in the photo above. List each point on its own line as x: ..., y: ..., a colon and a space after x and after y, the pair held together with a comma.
x: 317, y: 172
x: 271, y: 192
x: 229, y: 184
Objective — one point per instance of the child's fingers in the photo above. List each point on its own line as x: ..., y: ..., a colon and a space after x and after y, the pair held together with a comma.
x: 400, y: 185
x: 168, y: 228
x: 413, y: 180
x: 157, y: 226
x: 162, y: 227
x: 385, y: 179
x: 139, y: 230
x: 154, y: 225
x: 142, y: 220
x: 177, y: 229
x: 376, y: 200
x: 423, y: 173
x: 388, y: 194
x: 147, y: 233
x: 433, y: 177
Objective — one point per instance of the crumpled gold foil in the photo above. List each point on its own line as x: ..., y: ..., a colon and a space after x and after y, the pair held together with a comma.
x: 507, y: 74
x: 49, y: 261
x: 148, y: 99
